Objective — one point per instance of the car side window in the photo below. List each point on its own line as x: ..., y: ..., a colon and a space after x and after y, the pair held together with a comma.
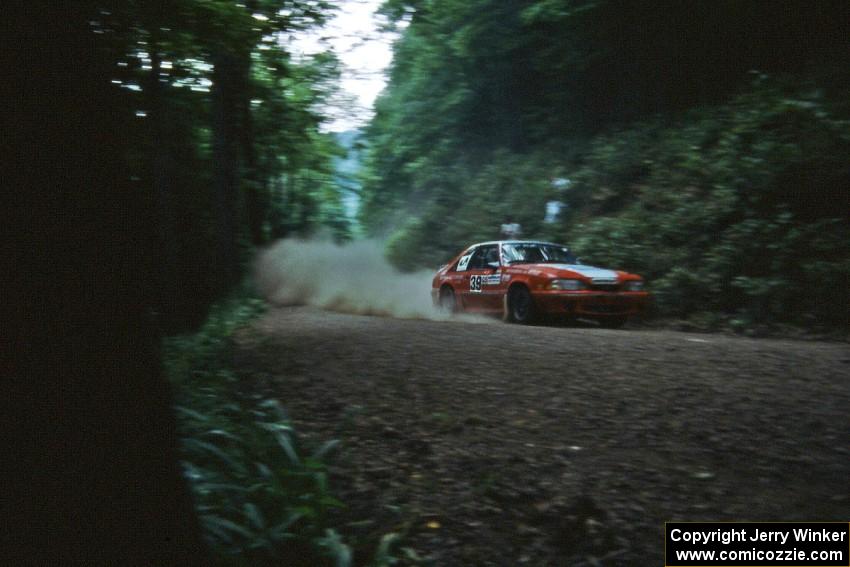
x: 483, y: 256
x: 491, y: 256
x: 463, y: 262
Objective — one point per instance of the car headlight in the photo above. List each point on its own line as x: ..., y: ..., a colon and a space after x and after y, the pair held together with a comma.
x: 566, y: 285
x: 635, y: 285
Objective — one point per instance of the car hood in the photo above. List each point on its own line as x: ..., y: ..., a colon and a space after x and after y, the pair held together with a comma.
x: 592, y: 273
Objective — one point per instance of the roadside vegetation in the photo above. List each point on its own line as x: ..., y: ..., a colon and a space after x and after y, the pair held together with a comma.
x: 736, y: 214
x: 699, y: 149
x: 262, y: 496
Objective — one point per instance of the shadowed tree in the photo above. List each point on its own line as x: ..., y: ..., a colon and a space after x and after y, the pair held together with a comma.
x: 95, y: 450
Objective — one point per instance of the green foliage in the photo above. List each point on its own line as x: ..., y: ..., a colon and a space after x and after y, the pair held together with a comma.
x: 262, y: 497
x: 259, y: 497
x: 471, y: 77
x: 468, y: 202
x: 226, y: 146
x: 726, y: 187
x: 739, y: 209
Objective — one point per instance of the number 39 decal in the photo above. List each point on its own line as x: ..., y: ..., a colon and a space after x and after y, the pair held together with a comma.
x: 475, y: 284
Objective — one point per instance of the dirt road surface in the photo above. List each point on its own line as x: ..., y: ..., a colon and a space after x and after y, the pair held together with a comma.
x: 496, y: 444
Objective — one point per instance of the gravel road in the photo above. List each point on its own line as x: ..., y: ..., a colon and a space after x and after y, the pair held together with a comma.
x: 495, y: 444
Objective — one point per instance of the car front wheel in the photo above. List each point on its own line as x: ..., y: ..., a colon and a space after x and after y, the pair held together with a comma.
x: 520, y: 305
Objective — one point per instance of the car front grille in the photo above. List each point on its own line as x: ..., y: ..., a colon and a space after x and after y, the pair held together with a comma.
x: 605, y: 286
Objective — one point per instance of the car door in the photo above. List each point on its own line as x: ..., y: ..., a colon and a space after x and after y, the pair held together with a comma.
x: 459, y: 277
x: 481, y: 289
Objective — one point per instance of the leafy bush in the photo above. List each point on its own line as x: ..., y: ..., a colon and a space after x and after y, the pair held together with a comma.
x: 260, y: 500
x: 739, y: 209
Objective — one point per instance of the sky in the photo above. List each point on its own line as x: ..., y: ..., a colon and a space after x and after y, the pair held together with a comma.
x: 365, y: 53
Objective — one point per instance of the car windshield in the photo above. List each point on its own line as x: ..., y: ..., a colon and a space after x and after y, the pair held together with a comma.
x: 537, y: 253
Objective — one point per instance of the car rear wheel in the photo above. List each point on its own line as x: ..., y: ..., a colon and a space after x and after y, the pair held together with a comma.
x: 520, y: 305
x: 448, y: 302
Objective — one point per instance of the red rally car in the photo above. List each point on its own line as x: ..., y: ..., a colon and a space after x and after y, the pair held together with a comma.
x: 522, y: 279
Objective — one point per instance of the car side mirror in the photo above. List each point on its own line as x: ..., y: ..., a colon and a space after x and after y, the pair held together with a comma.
x: 493, y: 265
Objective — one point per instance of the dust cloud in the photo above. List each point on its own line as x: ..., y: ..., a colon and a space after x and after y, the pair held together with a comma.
x: 350, y: 278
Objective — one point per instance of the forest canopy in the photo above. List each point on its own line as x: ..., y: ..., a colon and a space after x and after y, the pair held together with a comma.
x: 222, y: 134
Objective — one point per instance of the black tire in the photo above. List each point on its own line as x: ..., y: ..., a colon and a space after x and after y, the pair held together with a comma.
x: 447, y: 302
x: 521, y: 305
x: 613, y: 322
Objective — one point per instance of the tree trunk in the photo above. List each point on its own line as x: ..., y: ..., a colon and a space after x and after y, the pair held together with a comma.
x: 256, y: 207
x: 161, y: 171
x: 226, y: 167
x: 94, y: 461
